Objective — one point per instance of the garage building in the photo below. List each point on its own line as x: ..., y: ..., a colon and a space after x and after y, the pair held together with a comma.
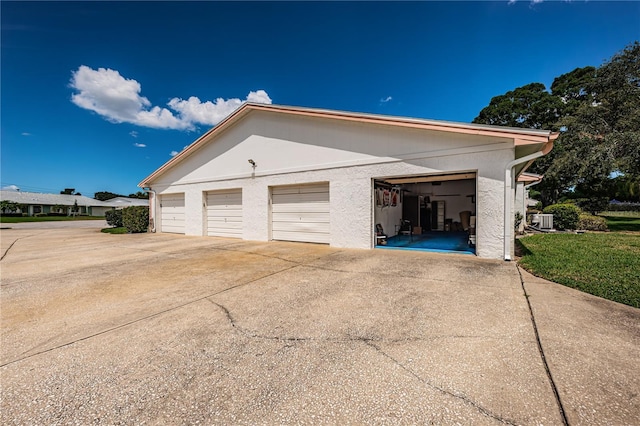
x: 270, y: 172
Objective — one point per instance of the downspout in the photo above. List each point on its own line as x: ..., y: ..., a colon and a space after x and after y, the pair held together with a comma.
x: 152, y: 210
x: 508, y: 187
x: 532, y: 183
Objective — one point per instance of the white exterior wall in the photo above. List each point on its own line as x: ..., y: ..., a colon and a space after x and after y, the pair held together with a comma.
x: 194, y: 214
x: 99, y: 210
x: 300, y: 150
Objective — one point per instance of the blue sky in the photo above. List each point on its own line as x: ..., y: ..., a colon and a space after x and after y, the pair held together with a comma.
x: 97, y: 95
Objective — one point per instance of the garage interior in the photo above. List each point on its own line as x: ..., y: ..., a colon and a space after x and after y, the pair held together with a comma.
x: 428, y: 213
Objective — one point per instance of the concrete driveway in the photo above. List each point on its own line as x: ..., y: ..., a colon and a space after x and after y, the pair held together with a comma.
x: 165, y: 329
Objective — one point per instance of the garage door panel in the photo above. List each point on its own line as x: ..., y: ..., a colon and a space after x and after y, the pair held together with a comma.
x: 301, y: 213
x: 315, y: 198
x: 225, y: 225
x: 172, y: 213
x: 301, y: 217
x: 225, y: 232
x: 172, y: 201
x: 223, y: 203
x: 301, y: 227
x: 224, y: 218
x: 224, y: 213
x: 304, y: 238
x: 303, y: 208
x: 172, y: 210
x: 173, y: 229
x: 213, y: 213
x: 304, y: 189
x: 172, y: 216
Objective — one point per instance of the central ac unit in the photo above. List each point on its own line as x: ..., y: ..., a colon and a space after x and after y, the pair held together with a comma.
x: 546, y: 221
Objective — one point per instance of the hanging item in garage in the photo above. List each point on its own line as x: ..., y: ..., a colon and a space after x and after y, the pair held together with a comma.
x: 395, y: 193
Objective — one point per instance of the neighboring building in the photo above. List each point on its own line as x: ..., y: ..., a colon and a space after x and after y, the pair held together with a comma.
x: 270, y: 172
x: 34, y: 203
x: 118, y: 203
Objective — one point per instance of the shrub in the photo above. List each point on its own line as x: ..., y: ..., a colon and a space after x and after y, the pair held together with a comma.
x: 565, y: 216
x: 114, y: 218
x: 589, y: 222
x: 517, y: 220
x: 3, y: 214
x: 135, y: 218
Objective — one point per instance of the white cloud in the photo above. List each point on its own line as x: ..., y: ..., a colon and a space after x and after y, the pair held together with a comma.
x: 139, y: 145
x: 118, y: 99
x: 25, y: 134
x: 174, y: 153
x: 211, y: 113
x: 385, y: 100
x: 133, y: 134
x: 510, y: 2
x: 10, y: 188
x: 259, y: 97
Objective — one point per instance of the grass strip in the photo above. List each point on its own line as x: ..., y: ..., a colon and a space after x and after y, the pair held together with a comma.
x: 603, y: 264
x: 622, y: 223
x: 119, y: 230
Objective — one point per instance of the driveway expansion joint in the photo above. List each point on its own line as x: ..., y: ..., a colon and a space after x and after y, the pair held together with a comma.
x: 554, y: 388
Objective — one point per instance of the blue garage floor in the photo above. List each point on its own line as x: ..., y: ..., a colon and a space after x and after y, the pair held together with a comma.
x: 444, y: 242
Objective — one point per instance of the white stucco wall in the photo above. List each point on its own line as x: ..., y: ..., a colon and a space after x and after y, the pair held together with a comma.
x: 298, y: 150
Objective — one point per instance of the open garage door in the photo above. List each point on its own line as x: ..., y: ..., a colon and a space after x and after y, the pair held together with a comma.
x: 172, y: 213
x: 224, y: 213
x: 301, y: 213
x: 430, y: 212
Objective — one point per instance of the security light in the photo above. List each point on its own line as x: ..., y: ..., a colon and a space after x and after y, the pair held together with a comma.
x: 253, y: 163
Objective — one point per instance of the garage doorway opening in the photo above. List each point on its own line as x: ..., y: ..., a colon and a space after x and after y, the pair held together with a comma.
x: 429, y: 213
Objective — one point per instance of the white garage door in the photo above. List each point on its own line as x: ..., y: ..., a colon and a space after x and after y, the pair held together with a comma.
x: 301, y: 213
x: 172, y: 213
x: 224, y: 213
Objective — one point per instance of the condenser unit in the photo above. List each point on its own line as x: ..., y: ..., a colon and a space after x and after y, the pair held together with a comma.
x: 545, y: 221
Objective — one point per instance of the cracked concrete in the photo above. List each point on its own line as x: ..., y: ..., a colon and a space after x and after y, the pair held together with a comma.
x: 154, y: 328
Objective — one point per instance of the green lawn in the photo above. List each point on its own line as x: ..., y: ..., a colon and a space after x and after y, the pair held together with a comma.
x: 604, y: 264
x: 46, y: 218
x: 119, y: 230
x: 622, y: 222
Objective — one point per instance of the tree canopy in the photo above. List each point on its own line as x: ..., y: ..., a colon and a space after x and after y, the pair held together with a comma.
x: 106, y: 195
x: 597, y: 112
x: 70, y: 191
